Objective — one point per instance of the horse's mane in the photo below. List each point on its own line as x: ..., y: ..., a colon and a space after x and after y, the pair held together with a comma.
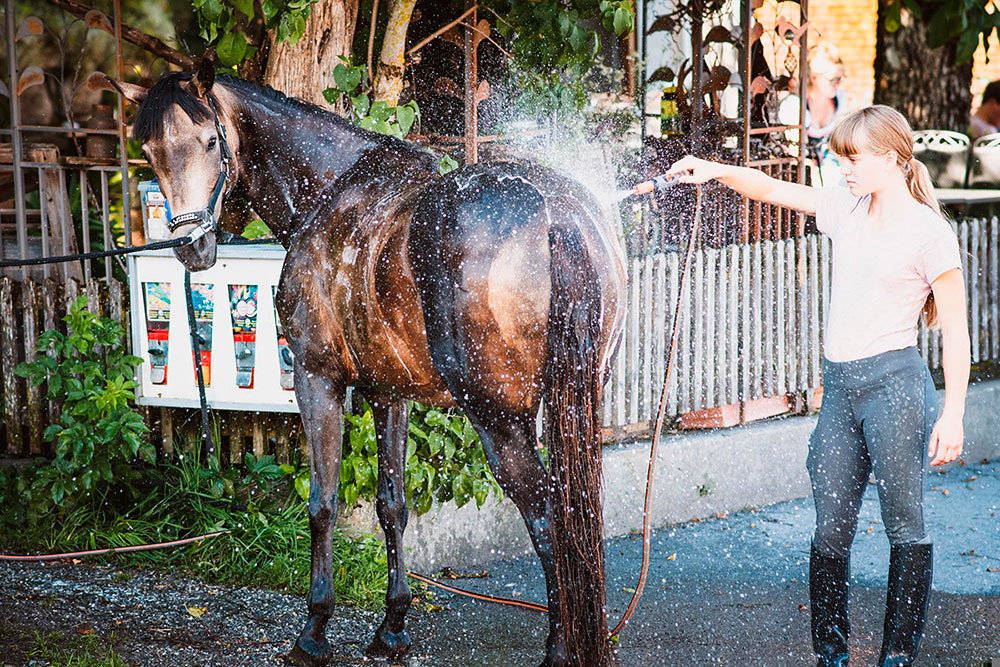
x: 171, y: 90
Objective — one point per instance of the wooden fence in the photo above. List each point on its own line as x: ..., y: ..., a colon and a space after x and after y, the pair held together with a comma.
x: 750, y: 333
x: 751, y: 328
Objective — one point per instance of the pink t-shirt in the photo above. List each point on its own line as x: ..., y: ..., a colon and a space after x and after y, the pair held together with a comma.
x: 881, y: 275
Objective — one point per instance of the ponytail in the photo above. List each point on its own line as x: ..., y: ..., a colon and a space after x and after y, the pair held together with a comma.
x: 918, y: 180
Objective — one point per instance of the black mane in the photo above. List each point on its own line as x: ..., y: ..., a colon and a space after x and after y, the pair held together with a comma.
x: 171, y: 89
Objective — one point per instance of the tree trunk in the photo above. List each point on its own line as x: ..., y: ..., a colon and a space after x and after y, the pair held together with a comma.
x: 389, y: 75
x: 306, y: 69
x: 928, y: 86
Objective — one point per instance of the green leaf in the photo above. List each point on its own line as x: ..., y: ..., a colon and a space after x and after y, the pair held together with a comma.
x: 332, y: 95
x: 340, y: 77
x: 350, y: 495
x: 893, y: 18
x: 302, y: 485
x: 380, y: 110
x: 245, y: 6
x: 405, y: 116
x: 424, y: 502
x: 211, y: 10
x: 354, y: 75
x: 231, y: 49
x: 966, y: 46
x: 622, y: 20
x: 361, y: 105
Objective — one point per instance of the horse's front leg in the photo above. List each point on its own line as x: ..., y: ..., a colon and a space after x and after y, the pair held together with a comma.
x: 321, y: 404
x: 391, y: 427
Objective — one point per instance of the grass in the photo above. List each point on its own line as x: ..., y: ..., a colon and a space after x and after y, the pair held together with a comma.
x: 268, y: 546
x: 57, y: 649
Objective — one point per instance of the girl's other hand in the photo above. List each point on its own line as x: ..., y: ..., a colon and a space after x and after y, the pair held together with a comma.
x: 690, y: 169
x: 946, y: 440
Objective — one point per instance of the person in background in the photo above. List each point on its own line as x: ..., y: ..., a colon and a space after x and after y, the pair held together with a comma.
x: 826, y: 103
x: 986, y: 120
x: 894, y: 258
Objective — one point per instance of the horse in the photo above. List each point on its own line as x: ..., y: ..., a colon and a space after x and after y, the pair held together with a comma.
x: 491, y: 288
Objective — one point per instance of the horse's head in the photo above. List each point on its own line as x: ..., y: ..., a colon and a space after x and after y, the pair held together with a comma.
x: 182, y: 128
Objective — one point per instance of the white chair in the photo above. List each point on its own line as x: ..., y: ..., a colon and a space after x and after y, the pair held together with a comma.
x: 946, y: 155
x: 984, y: 162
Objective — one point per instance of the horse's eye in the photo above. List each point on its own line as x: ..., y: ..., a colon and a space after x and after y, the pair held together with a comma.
x: 211, y: 143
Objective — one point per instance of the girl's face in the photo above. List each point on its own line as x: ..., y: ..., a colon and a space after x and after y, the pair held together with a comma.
x: 867, y: 172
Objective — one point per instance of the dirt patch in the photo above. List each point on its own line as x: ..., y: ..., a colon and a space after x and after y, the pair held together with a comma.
x: 153, y: 618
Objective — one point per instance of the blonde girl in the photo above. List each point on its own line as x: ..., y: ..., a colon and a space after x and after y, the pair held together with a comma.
x: 894, y: 257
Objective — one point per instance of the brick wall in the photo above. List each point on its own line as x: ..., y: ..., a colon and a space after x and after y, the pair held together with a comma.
x: 840, y: 23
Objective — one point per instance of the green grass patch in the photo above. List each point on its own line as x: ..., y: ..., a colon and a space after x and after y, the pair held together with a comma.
x: 268, y: 545
x: 57, y: 649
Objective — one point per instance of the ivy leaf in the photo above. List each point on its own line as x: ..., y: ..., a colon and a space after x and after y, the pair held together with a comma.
x: 353, y: 78
x: 340, y: 77
x: 332, y: 95
x: 231, y: 49
x: 622, y: 20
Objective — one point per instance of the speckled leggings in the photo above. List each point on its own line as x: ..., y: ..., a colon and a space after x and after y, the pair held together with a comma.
x: 876, y: 417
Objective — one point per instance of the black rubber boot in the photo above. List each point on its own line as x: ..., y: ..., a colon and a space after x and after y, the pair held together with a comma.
x: 910, y: 569
x: 828, y: 596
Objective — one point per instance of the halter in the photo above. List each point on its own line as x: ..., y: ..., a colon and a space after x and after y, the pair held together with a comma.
x: 205, y: 218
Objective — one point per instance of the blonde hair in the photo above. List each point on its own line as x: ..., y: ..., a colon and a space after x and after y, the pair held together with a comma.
x: 879, y: 129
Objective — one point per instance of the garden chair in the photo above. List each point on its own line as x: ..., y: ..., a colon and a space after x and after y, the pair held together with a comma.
x: 984, y: 162
x: 946, y: 155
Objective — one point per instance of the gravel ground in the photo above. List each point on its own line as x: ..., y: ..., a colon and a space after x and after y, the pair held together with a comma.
x: 727, y: 591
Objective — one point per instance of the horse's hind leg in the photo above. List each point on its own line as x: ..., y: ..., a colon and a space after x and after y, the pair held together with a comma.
x: 321, y: 404
x: 509, y: 443
x: 391, y: 422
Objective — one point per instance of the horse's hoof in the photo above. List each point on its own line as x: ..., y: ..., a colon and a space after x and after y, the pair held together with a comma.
x: 389, y: 644
x: 555, y: 659
x: 307, y: 651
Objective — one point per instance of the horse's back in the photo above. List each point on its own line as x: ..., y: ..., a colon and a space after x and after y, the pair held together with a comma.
x: 479, y: 248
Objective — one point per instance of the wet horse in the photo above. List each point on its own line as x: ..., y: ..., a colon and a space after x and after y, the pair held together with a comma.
x: 492, y: 288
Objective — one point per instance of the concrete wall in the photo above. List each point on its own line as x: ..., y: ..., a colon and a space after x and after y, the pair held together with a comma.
x: 697, y: 474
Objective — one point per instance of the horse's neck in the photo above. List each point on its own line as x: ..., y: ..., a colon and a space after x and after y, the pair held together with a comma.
x: 288, y: 158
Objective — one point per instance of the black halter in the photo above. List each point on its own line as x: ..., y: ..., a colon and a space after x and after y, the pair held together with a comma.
x: 205, y: 218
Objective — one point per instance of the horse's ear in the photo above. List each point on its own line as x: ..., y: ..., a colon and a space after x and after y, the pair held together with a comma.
x: 204, y: 77
x: 132, y: 92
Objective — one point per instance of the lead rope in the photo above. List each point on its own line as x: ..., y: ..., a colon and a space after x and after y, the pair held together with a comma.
x: 657, y: 428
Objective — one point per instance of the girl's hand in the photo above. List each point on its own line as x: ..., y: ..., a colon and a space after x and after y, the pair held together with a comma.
x: 690, y: 169
x: 946, y: 440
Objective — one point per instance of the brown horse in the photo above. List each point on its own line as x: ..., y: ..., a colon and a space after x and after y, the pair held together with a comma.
x: 488, y: 288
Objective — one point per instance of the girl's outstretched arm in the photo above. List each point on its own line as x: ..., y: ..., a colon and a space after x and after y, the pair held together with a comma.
x: 751, y: 183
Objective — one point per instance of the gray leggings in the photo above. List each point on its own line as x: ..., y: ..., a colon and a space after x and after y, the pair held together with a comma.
x: 877, y: 416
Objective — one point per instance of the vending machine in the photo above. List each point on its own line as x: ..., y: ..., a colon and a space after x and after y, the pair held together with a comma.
x: 245, y: 359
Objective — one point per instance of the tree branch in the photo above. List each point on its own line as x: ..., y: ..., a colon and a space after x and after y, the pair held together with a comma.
x: 140, y: 39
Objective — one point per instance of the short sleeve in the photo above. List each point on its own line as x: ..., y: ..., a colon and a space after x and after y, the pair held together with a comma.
x: 938, y: 252
x: 834, y: 204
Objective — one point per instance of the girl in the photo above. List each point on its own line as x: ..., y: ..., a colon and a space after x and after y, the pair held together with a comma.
x: 894, y: 256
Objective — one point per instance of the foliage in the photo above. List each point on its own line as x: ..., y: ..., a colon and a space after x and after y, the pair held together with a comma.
x: 444, y: 461
x: 99, y: 436
x: 350, y: 90
x: 232, y: 23
x: 965, y: 23
x: 552, y: 49
x: 377, y: 116
x: 268, y: 542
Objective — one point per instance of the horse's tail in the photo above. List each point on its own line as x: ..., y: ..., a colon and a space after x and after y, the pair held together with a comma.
x: 573, y: 438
